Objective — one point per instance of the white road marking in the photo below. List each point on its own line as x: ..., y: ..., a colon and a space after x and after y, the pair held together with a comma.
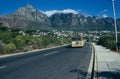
x: 51, y: 53
x: 2, y: 67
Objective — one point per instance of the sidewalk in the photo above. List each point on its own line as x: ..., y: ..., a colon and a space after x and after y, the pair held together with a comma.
x: 107, y: 63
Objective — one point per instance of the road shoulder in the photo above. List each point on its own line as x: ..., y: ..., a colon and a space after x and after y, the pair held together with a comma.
x: 32, y: 51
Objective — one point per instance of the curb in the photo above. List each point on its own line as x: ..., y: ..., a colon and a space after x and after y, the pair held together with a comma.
x: 32, y: 51
x: 94, y: 71
x: 92, y: 66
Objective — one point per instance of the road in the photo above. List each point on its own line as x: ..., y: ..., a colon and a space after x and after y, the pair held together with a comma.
x: 58, y: 63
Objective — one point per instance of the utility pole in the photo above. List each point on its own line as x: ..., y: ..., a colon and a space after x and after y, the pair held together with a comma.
x: 114, y: 14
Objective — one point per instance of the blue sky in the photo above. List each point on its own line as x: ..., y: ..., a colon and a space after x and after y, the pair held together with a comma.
x: 86, y: 7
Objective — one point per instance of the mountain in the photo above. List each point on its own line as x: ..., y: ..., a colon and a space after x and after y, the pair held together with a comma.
x: 68, y: 21
x: 26, y: 16
x: 30, y: 18
x: 80, y: 22
x: 118, y: 24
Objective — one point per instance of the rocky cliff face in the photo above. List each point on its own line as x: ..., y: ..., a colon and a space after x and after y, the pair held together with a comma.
x: 24, y: 15
x: 67, y: 20
x: 80, y: 22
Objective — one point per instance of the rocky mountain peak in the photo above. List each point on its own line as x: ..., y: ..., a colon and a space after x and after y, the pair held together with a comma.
x: 29, y: 6
x: 25, y: 14
x: 24, y: 10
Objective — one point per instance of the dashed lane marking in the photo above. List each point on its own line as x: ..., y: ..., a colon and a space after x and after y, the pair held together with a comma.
x: 2, y: 67
x: 54, y: 52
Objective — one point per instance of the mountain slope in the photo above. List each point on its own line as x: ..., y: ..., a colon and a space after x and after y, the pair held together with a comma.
x: 81, y: 23
x: 68, y: 21
x: 26, y: 16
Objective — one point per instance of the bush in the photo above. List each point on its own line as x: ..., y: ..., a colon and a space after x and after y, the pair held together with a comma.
x: 107, y: 41
x: 10, y: 47
x: 19, y: 41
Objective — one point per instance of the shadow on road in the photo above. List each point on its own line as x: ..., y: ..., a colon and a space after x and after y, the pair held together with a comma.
x: 79, y: 73
x: 109, y: 75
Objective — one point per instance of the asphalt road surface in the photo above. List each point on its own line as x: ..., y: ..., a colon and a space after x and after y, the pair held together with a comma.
x: 58, y: 63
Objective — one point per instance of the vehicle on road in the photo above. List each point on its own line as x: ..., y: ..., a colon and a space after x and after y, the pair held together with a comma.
x: 77, y: 41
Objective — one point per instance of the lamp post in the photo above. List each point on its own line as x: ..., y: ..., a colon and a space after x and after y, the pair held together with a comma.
x: 114, y: 14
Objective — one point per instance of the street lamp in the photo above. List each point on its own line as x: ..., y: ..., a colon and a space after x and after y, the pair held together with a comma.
x: 114, y: 14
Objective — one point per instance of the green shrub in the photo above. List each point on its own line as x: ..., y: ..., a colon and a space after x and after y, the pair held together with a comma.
x: 15, y: 42
x: 107, y: 41
x: 10, y: 47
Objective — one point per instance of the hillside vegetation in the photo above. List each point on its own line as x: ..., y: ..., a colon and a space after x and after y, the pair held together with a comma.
x: 11, y: 41
x: 108, y: 41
